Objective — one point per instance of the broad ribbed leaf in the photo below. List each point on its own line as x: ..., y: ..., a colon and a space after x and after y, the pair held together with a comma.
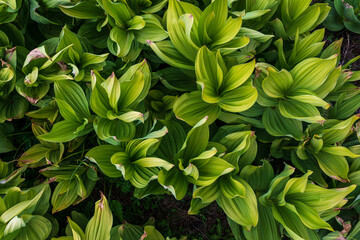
x: 73, y: 95
x: 174, y: 181
x: 278, y: 125
x: 191, y: 108
x: 334, y: 166
x: 100, y: 224
x: 311, y: 73
x: 300, y: 111
x: 101, y: 155
x: 236, y: 76
x: 239, y: 99
x: 20, y: 207
x: 277, y: 84
x: 83, y: 10
x: 241, y: 210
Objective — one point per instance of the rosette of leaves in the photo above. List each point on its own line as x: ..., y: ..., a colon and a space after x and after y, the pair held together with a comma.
x: 159, y: 104
x: 304, y: 47
x: 115, y: 101
x: 9, y: 10
x: 79, y: 57
x: 74, y: 108
x: 134, y: 162
x: 322, y: 146
x: 74, y: 184
x: 193, y: 158
x: 292, y: 97
x: 130, y: 31
x: 98, y: 227
x: 345, y: 94
x: 300, y: 206
x: 257, y: 14
x: 237, y: 148
x: 298, y: 16
x: 189, y: 29
x: 222, y: 89
x: 40, y: 71
x: 11, y: 104
x: 344, y: 13
x: 21, y: 215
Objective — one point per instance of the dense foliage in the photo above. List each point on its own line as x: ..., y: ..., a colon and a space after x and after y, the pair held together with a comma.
x: 230, y: 101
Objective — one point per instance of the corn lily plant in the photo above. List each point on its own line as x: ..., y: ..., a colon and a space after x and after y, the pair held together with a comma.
x: 202, y: 101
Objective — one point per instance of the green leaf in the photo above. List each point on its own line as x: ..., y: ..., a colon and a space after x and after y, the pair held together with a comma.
x: 174, y: 181
x: 6, y: 145
x: 19, y: 208
x: 292, y: 223
x: 227, y: 32
x: 243, y: 211
x: 191, y: 108
x: 196, y: 140
x: 100, y: 224
x: 77, y: 232
x: 37, y: 228
x: 66, y: 111
x: 334, y: 166
x: 277, y: 84
x: 323, y: 199
x: 209, y: 73
x: 156, y: 7
x: 35, y: 154
x: 69, y: 38
x: 152, y: 233
x: 237, y: 75
x: 74, y: 96
x: 340, y: 131
x: 311, y: 73
x: 340, y: 151
x: 118, y: 10
x: 277, y: 125
x: 153, y: 162
x: 167, y: 52
x: 87, y: 59
x: 131, y: 90
x: 231, y: 187
x: 300, y: 111
x: 329, y: 84
x: 304, y: 22
x: 113, y: 89
x: 239, y: 99
x: 83, y: 10
x: 63, y: 131
x: 207, y: 194
x: 310, y: 217
x: 212, y: 170
x: 120, y: 41
x: 306, y: 96
x: 136, y: 23
x: 267, y: 227
x: 152, y: 30
x: 101, y: 155
x: 117, y: 129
